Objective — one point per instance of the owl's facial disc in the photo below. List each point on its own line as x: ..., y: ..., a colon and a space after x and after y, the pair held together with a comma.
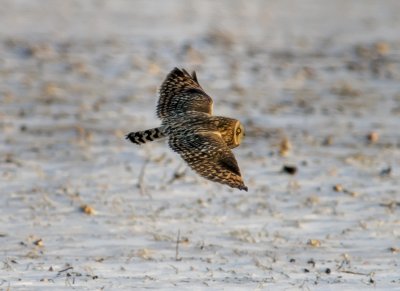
x: 239, y: 133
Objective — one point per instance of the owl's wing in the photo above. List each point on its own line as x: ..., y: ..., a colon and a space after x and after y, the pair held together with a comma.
x: 181, y: 92
x: 208, y: 155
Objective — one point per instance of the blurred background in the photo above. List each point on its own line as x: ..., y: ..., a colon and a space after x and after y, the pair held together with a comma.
x: 316, y: 84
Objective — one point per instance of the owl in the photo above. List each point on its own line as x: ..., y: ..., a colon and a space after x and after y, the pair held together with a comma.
x: 202, y: 140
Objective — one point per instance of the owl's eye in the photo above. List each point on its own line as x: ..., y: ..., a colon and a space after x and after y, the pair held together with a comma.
x: 238, y: 131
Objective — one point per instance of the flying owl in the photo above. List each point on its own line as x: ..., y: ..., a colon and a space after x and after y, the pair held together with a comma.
x: 204, y: 141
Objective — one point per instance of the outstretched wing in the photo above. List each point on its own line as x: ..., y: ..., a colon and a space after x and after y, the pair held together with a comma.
x: 181, y: 92
x: 207, y: 154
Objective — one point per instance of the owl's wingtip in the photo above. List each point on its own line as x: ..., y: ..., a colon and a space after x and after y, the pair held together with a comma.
x: 244, y: 188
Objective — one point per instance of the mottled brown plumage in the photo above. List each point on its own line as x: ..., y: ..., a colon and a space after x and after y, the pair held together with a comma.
x: 181, y: 92
x: 208, y: 155
x: 202, y: 140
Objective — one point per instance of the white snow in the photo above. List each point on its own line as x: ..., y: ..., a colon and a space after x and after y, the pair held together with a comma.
x: 76, y: 76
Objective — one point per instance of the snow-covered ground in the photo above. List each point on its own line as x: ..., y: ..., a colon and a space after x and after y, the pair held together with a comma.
x: 316, y: 84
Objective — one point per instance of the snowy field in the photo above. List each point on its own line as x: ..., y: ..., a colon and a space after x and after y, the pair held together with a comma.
x: 317, y: 86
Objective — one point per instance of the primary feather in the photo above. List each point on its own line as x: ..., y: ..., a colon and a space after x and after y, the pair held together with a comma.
x: 181, y: 92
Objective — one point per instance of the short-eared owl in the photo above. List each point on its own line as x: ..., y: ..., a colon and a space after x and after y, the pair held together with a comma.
x: 204, y: 141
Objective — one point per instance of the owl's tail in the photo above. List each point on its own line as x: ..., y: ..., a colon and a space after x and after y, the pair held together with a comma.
x: 141, y: 137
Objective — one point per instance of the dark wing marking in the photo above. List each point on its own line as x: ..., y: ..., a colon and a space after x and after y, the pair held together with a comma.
x: 181, y: 92
x: 230, y: 164
x: 207, y: 154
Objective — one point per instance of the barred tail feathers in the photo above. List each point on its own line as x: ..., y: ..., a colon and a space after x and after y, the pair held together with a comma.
x: 141, y: 137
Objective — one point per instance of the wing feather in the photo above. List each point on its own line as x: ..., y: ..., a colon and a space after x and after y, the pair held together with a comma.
x: 181, y: 92
x: 208, y: 155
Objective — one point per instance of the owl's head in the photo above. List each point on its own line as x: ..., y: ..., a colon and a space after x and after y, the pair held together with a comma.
x: 238, y: 133
x: 231, y: 130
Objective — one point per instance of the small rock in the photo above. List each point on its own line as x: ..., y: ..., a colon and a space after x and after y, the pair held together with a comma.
x: 38, y: 243
x: 87, y: 209
x: 328, y: 140
x: 372, y: 137
x: 338, y: 188
x: 314, y: 243
x: 372, y: 281
x: 386, y: 172
x: 285, y: 147
x: 291, y: 170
